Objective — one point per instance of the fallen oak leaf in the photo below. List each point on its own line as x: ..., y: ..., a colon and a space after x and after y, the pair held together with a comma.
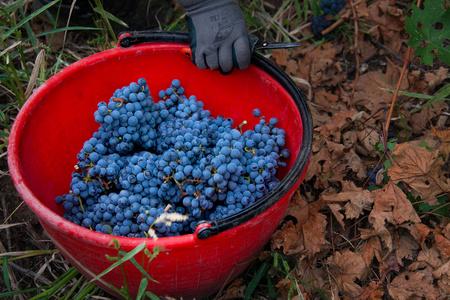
x: 443, y: 244
x: 235, y: 290
x: 345, y: 267
x: 442, y: 275
x: 420, y: 168
x: 444, y: 138
x: 378, y: 222
x: 392, y: 198
x: 388, y: 264
x: 308, y: 235
x: 287, y: 238
x: 413, y: 285
x: 354, y: 199
x: 392, y: 206
x: 429, y: 257
x: 406, y: 248
x: 372, y: 291
x: 369, y: 249
x: 420, y: 232
x: 334, y: 128
x: 313, y: 232
x: 332, y: 163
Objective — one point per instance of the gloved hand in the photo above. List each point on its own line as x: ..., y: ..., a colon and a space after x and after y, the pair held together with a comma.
x: 218, y: 33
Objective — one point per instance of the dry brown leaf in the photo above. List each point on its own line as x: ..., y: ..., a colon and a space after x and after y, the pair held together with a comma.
x: 338, y: 122
x: 429, y: 257
x: 435, y: 79
x: 377, y: 220
x: 443, y: 272
x: 419, y: 232
x: 288, y: 238
x: 446, y: 231
x: 317, y: 278
x: 368, y: 138
x: 335, y: 209
x: 280, y: 56
x: 349, y: 140
x: 387, y: 265
x: 413, y: 285
x: 443, y: 244
x: 386, y: 15
x: 234, y: 291
x: 373, y: 291
x: 391, y: 206
x: 345, y: 267
x: 320, y: 62
x: 444, y: 138
x: 308, y: 235
x: 327, y: 102
x: 299, y: 209
x: 392, y: 199
x: 406, y: 247
x: 421, y: 119
x: 420, y: 169
x: 291, y: 67
x: 370, y: 248
x: 370, y: 93
x: 332, y: 163
x: 355, y: 199
x: 313, y: 232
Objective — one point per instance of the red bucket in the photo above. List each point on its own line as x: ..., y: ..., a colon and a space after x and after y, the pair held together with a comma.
x: 54, y: 123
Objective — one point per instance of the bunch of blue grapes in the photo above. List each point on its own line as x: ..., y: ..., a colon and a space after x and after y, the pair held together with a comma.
x: 150, y: 158
x: 331, y: 7
x: 320, y: 23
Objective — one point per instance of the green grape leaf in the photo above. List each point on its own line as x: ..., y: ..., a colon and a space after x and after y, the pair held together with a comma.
x: 429, y: 28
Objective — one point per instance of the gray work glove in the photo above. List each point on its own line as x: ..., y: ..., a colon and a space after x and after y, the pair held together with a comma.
x: 218, y: 33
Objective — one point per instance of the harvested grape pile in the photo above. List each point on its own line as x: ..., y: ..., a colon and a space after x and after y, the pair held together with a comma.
x: 150, y: 158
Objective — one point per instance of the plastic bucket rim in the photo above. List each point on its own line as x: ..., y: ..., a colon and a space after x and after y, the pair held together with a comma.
x: 39, y: 209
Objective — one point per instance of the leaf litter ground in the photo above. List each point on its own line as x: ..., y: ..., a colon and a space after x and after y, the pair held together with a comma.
x: 370, y: 220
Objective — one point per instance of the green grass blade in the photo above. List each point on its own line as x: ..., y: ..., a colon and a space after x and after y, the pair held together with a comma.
x: 255, y: 281
x: 53, y: 31
x: 410, y: 94
x: 111, y: 17
x: 126, y: 257
x: 270, y: 286
x: 152, y: 296
x: 441, y: 94
x: 58, y: 285
x: 315, y: 8
x: 28, y: 18
x: 87, y: 289
x: 14, y: 293
x: 24, y: 254
x: 6, y: 274
x: 142, y: 288
x: 28, y: 29
x: 72, y: 290
x: 14, y: 6
x: 139, y: 267
x: 99, y: 5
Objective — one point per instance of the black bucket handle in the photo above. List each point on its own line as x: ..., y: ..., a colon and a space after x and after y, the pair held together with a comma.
x: 130, y: 38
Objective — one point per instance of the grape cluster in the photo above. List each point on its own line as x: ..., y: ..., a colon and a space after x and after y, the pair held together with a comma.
x: 320, y: 23
x: 331, y: 7
x: 150, y: 158
x: 372, y: 174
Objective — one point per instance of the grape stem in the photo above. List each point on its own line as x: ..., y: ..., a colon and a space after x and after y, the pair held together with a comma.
x: 121, y: 100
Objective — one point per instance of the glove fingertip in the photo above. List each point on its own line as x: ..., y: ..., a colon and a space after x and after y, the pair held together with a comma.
x: 241, y: 53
